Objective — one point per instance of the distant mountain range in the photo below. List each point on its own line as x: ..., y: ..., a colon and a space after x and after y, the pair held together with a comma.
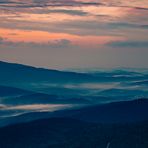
x: 40, y: 98
x: 6, y: 91
x: 21, y: 75
x: 72, y: 83
x: 17, y: 73
x: 91, y: 109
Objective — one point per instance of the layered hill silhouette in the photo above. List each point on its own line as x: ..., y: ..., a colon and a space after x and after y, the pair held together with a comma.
x: 111, y: 113
x: 13, y: 74
x: 6, y: 91
x: 17, y: 73
x: 41, y: 98
x: 95, y: 119
x: 119, y: 112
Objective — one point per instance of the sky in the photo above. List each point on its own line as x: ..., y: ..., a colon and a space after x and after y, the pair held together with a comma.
x: 61, y: 34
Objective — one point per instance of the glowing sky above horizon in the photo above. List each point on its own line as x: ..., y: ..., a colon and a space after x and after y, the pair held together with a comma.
x: 75, y: 33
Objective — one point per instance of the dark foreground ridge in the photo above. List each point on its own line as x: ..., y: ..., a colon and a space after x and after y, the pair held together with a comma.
x: 116, y: 112
x: 71, y: 133
x: 82, y: 128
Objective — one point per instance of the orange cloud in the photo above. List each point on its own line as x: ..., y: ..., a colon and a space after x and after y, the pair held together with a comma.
x: 45, y: 37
